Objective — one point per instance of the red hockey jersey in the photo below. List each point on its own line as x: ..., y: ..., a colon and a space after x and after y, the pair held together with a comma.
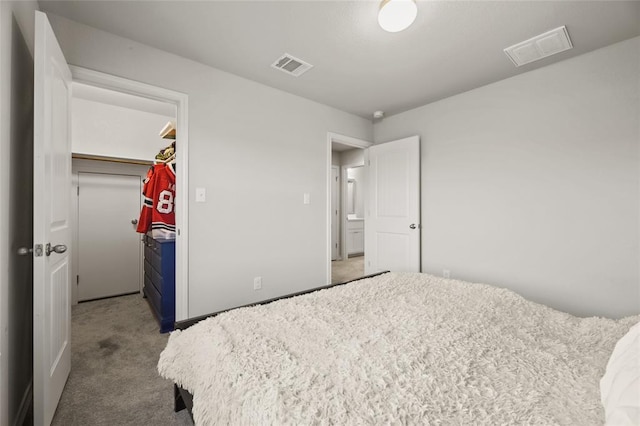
x: 144, y: 224
x: 158, y: 211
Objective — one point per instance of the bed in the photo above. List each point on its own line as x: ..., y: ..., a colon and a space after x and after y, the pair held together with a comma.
x: 398, y: 348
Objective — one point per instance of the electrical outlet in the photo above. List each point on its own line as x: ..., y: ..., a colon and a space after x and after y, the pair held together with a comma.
x: 257, y: 283
x: 446, y: 273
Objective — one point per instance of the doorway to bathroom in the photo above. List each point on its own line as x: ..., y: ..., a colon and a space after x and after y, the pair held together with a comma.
x: 347, y: 212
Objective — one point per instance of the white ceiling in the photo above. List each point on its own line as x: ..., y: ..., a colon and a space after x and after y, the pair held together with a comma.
x: 452, y: 47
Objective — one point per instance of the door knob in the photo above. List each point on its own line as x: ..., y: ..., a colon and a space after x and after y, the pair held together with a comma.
x: 23, y: 251
x: 60, y: 248
x: 134, y: 221
x: 413, y: 226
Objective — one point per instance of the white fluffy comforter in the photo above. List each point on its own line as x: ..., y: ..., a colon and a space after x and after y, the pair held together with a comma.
x: 395, y: 349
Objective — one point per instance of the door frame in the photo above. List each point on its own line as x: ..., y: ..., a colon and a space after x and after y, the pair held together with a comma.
x: 338, y: 224
x: 87, y: 166
x: 343, y: 217
x: 181, y: 101
x: 76, y: 171
x: 345, y: 140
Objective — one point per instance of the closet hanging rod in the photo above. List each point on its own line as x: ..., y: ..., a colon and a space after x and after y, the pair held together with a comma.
x: 111, y: 159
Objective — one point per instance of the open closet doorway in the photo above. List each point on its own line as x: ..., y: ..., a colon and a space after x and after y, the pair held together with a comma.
x: 347, y: 216
x: 118, y: 141
x: 161, y: 102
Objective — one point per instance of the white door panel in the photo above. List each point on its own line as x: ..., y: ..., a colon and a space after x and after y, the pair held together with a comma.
x: 52, y: 179
x: 108, y: 245
x: 393, y: 251
x: 392, y: 225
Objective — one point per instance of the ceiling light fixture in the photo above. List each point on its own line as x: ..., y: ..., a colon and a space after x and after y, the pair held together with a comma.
x: 397, y: 15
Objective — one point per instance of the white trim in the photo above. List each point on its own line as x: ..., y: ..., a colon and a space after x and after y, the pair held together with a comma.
x: 181, y: 100
x: 343, y: 214
x: 345, y: 140
x: 75, y: 238
x: 339, y: 206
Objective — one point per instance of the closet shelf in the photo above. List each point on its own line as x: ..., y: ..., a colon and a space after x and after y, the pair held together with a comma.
x: 168, y: 131
x: 111, y: 159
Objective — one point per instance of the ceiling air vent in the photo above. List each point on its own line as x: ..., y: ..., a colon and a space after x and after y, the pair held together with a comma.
x: 547, y: 44
x: 291, y: 65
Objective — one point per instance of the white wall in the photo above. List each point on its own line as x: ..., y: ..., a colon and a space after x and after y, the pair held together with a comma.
x: 16, y: 144
x: 532, y: 183
x: 99, y: 128
x: 256, y: 150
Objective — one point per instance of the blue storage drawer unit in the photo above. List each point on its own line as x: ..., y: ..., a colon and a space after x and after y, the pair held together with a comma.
x: 160, y: 280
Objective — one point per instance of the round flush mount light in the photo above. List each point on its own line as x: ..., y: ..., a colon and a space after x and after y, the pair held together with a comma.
x: 397, y: 15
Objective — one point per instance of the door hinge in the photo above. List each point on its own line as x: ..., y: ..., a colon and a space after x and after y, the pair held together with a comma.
x: 78, y: 192
x: 77, y: 279
x: 37, y: 250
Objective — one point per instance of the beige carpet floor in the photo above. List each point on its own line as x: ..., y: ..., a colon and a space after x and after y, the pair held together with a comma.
x: 346, y: 270
x: 115, y: 345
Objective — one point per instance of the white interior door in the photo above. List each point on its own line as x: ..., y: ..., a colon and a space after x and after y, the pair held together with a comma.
x: 392, y: 218
x: 335, y: 216
x: 108, y: 245
x: 51, y: 228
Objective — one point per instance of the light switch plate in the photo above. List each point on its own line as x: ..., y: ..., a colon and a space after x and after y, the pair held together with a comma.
x: 201, y: 195
x: 307, y: 198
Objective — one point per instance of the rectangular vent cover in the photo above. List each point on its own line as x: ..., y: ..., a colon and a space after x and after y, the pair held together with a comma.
x: 547, y: 44
x: 291, y: 65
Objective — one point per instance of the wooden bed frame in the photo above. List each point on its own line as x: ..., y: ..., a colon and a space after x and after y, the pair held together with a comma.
x: 182, y: 398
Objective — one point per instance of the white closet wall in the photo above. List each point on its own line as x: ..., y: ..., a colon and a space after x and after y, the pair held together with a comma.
x: 112, y: 124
